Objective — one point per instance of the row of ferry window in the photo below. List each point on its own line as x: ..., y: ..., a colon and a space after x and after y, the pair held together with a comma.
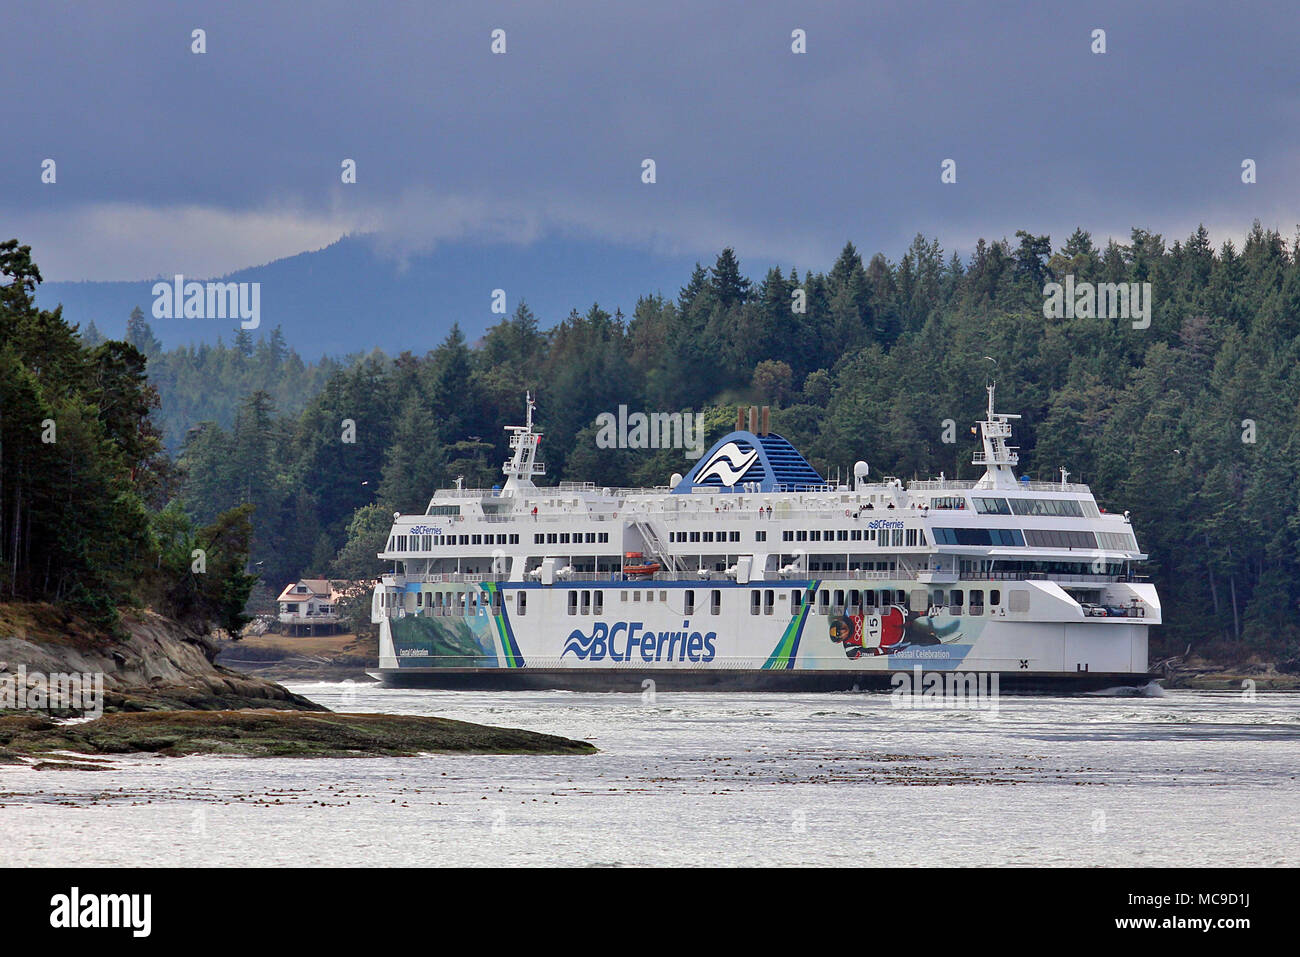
x: 761, y: 601
x: 1033, y: 537
x: 853, y: 601
x: 1030, y: 506
x: 456, y: 603
x: 584, y: 602
x: 711, y: 536
x: 426, y: 543
x: 565, y: 538
x: 899, y: 537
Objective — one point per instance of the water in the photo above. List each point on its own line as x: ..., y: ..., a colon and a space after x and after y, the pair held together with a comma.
x: 1192, y: 778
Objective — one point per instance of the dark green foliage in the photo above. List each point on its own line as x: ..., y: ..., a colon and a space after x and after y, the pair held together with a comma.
x: 882, y: 354
x: 879, y: 358
x: 82, y: 473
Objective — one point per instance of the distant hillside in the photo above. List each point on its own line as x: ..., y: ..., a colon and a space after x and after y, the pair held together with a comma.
x: 348, y: 298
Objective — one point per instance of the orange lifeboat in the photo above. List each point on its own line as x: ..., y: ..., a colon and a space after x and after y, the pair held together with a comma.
x: 636, y: 566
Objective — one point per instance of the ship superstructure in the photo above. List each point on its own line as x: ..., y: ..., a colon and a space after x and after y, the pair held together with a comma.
x: 753, y: 571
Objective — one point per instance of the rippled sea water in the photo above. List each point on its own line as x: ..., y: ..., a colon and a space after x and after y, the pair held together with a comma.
x: 1191, y: 778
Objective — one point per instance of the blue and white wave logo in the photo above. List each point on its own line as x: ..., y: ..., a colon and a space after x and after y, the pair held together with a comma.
x: 623, y: 639
x: 729, y: 463
x: 582, y: 646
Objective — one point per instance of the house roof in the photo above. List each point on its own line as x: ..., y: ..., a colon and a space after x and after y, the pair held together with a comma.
x: 321, y: 588
x: 317, y: 588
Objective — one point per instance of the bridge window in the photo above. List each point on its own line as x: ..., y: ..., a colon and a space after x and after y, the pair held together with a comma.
x: 978, y: 536
x: 1054, y: 538
x: 1046, y: 506
x: 948, y: 501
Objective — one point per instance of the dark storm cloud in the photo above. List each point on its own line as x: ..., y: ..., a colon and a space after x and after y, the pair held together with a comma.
x: 232, y: 157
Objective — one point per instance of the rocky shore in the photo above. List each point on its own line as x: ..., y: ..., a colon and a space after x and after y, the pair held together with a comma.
x: 1200, y: 675
x: 36, y: 739
x: 155, y: 664
x: 164, y: 693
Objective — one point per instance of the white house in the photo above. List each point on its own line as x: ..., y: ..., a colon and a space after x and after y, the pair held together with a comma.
x: 311, y: 603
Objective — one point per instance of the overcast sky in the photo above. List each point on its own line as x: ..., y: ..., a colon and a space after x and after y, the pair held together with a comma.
x: 168, y: 161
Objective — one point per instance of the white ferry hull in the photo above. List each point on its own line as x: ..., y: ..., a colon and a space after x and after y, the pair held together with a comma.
x: 761, y: 636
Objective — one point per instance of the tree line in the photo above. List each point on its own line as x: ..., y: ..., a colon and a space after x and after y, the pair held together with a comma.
x: 89, y: 510
x: 1191, y: 423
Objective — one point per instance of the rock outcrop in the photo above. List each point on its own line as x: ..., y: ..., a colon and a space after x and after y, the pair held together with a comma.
x: 155, y: 664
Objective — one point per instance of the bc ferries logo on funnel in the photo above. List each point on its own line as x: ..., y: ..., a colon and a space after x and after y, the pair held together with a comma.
x: 729, y: 463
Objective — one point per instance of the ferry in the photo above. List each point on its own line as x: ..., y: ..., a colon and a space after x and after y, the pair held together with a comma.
x: 753, y: 572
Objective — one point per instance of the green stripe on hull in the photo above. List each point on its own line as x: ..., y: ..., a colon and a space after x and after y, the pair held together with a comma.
x: 783, y: 656
x: 512, y: 657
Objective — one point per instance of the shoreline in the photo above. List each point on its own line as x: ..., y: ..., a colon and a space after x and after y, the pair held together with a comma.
x: 36, y: 740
